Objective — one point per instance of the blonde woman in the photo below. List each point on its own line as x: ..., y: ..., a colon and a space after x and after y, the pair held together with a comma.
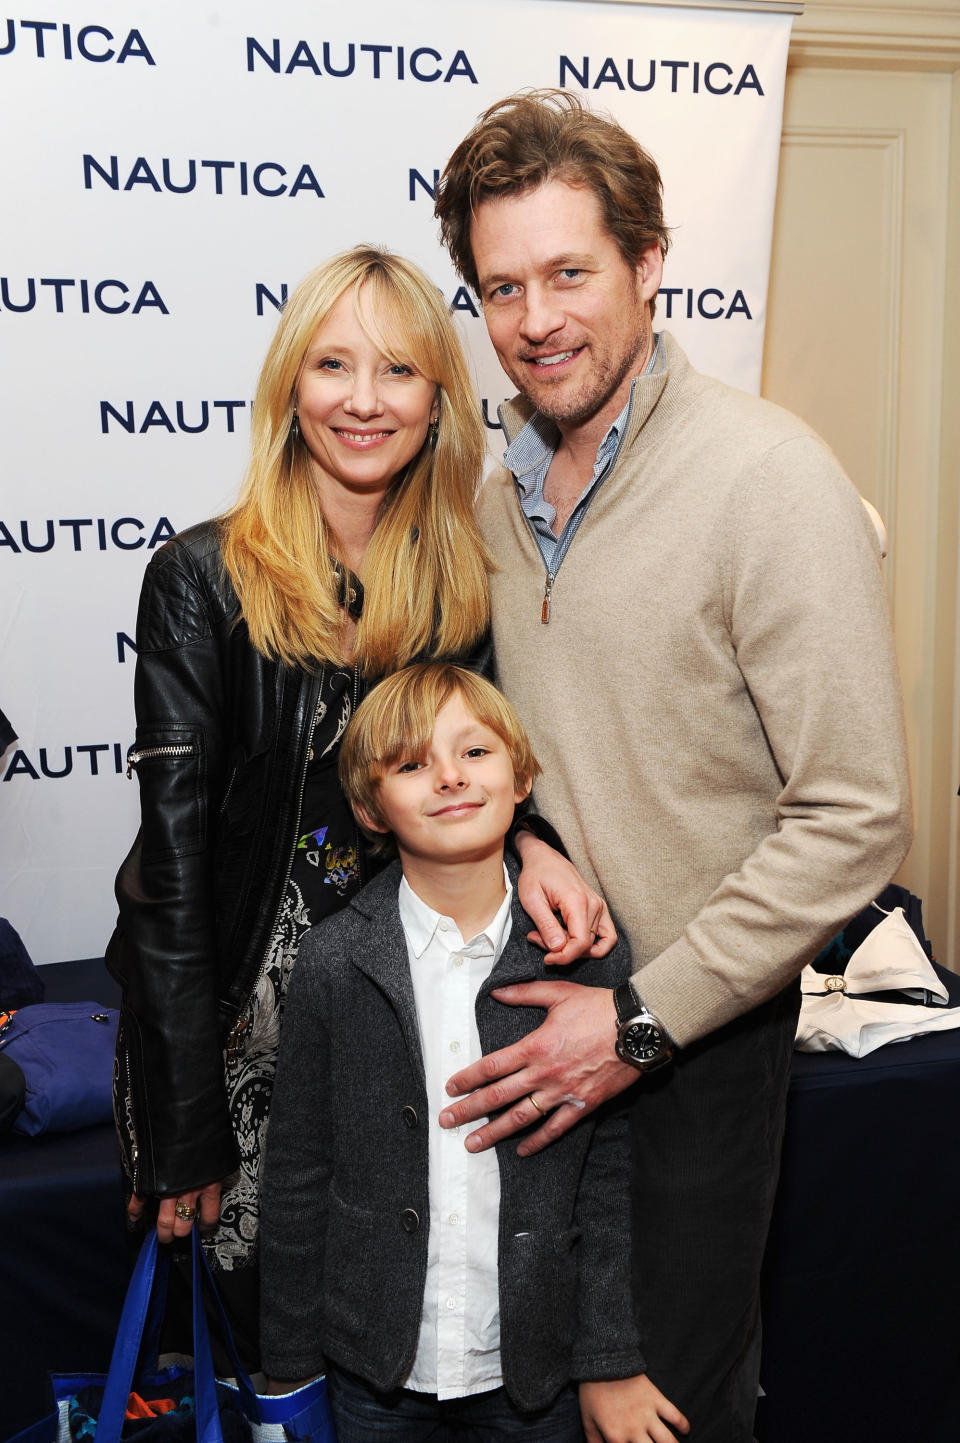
x: 352, y: 549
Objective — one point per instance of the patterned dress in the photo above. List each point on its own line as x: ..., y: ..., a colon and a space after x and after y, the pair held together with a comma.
x: 324, y: 875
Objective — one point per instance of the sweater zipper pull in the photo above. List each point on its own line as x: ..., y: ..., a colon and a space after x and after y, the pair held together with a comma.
x: 545, y: 605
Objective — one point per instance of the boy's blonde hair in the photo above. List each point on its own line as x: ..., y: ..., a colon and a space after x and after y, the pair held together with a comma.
x: 397, y: 719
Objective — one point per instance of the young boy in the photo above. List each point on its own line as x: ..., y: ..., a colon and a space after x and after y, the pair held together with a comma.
x: 445, y: 1293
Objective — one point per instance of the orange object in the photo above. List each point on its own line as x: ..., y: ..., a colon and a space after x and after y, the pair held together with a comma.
x: 138, y: 1407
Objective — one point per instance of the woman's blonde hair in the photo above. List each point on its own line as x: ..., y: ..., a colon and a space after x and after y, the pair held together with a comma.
x: 425, y: 569
x: 397, y: 718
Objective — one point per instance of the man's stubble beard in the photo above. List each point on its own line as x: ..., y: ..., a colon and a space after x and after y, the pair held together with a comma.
x: 597, y: 390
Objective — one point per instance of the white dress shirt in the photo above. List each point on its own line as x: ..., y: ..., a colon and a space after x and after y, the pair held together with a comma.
x: 458, y: 1351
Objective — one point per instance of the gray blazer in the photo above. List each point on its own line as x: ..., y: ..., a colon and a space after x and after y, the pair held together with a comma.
x: 345, y: 1209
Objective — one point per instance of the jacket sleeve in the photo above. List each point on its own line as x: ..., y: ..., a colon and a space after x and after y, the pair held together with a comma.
x: 607, y: 1342
x: 171, y: 1102
x: 297, y: 1172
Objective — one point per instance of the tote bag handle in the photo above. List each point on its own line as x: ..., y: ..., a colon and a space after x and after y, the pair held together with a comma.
x: 126, y: 1349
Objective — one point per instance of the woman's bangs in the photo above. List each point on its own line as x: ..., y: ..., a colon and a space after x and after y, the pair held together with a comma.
x: 396, y: 324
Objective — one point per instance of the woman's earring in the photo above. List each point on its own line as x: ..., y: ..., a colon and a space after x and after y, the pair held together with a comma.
x: 295, y: 429
x: 433, y: 431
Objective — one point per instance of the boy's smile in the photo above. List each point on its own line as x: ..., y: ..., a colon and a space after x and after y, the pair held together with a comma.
x: 455, y: 803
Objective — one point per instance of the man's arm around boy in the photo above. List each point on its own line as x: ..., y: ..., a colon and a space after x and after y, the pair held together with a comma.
x: 346, y: 1207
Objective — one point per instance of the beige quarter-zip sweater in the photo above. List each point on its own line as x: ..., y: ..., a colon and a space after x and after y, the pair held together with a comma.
x: 714, y: 700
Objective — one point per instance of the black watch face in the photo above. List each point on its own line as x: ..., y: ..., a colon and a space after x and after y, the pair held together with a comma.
x: 643, y: 1041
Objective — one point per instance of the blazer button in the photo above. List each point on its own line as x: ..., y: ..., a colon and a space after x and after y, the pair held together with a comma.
x: 409, y: 1220
x: 409, y: 1115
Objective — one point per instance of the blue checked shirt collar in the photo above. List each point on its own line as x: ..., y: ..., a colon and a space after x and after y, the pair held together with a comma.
x: 529, y: 457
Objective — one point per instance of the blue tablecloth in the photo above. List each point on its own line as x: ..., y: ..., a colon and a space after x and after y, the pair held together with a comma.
x: 64, y: 1266
x: 862, y: 1276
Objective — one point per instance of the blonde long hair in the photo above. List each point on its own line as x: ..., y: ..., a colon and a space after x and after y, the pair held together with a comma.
x: 425, y: 569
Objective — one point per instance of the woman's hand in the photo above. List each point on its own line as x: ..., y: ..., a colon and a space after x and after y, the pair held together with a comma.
x: 176, y: 1215
x: 548, y: 884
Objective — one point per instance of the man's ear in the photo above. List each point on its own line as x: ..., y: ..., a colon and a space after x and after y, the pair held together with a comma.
x: 369, y: 819
x: 650, y: 271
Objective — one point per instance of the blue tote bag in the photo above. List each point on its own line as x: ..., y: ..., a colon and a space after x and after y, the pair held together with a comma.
x: 206, y: 1411
x: 65, y: 1053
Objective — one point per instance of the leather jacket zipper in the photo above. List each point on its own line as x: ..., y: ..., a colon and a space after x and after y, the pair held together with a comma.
x: 129, y: 1126
x: 226, y: 795
x: 134, y: 757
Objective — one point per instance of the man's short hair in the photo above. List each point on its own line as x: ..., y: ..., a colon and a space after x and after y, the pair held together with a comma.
x: 397, y: 718
x: 540, y: 135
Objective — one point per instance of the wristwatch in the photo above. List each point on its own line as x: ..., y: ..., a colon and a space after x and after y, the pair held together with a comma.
x: 642, y: 1040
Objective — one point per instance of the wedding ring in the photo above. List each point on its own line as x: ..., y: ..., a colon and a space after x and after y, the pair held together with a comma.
x: 187, y: 1213
x: 536, y: 1104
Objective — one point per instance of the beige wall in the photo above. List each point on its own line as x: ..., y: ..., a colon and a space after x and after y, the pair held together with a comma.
x: 863, y: 340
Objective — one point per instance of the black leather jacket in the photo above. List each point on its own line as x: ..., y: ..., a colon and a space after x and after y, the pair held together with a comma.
x: 221, y: 750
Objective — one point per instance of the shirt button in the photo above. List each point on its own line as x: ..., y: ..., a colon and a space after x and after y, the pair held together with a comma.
x: 409, y: 1220
x: 458, y: 960
x: 409, y: 1115
x: 443, y: 925
x: 453, y: 1218
x: 454, y: 1046
x: 451, y: 1303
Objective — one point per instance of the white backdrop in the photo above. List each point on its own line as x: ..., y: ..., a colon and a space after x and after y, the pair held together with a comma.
x: 170, y: 171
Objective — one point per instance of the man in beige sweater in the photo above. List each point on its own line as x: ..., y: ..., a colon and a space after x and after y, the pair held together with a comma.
x: 690, y: 618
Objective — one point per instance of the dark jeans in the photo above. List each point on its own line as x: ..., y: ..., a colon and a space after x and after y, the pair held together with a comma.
x: 362, y: 1415
x: 706, y: 1135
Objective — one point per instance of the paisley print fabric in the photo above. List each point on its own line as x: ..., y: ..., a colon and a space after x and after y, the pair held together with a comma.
x: 249, y: 1078
x: 324, y: 874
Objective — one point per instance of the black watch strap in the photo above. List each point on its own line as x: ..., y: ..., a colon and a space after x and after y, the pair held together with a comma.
x: 626, y: 1001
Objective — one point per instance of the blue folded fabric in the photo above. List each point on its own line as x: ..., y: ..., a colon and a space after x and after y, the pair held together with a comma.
x: 65, y: 1051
